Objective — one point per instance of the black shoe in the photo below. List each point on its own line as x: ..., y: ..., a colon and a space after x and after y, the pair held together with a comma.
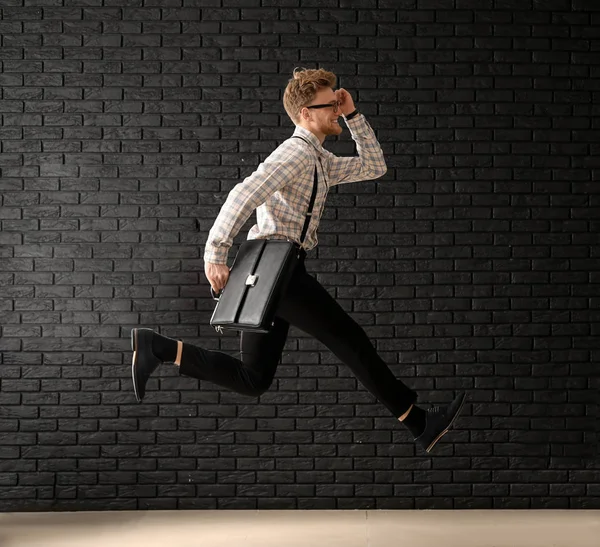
x: 437, y: 422
x: 144, y: 362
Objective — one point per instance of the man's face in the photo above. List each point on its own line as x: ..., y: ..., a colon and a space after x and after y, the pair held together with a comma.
x: 324, y: 120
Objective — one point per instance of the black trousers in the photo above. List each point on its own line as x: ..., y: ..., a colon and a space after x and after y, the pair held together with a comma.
x: 308, y: 306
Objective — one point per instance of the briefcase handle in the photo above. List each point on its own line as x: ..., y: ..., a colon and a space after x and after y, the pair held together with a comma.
x: 214, y: 294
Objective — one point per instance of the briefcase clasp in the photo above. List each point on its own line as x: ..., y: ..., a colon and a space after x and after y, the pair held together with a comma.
x: 251, y: 280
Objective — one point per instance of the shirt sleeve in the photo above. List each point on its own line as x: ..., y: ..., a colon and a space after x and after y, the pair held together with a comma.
x: 369, y: 164
x: 284, y: 165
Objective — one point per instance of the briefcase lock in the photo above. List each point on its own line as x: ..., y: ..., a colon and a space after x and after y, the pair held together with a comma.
x: 251, y: 280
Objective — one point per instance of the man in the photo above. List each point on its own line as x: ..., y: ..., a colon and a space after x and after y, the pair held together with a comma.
x: 280, y: 190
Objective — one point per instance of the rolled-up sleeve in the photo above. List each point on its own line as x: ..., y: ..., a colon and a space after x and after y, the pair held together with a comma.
x: 286, y: 164
x: 370, y: 162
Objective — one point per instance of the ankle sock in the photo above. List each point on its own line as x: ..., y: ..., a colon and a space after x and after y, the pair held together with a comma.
x: 415, y: 421
x: 164, y: 348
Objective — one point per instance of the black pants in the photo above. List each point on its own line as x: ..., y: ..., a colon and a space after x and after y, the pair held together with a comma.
x: 308, y: 306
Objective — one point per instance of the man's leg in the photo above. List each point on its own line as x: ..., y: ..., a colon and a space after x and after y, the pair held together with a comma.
x: 312, y: 309
x: 252, y: 374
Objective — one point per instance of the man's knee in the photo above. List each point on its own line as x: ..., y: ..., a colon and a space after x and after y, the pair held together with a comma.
x: 259, y: 373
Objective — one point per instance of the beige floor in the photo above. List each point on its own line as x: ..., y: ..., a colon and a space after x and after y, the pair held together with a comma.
x: 547, y: 528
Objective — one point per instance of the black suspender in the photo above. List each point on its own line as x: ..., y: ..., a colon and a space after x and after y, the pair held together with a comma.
x: 312, y: 197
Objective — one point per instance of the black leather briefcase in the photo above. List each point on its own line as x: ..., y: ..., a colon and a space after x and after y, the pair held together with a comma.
x: 258, y: 278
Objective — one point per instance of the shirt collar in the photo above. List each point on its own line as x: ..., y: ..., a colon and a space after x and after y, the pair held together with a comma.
x: 310, y: 137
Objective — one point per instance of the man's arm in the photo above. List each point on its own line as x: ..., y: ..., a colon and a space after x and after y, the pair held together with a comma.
x: 284, y: 165
x: 369, y: 164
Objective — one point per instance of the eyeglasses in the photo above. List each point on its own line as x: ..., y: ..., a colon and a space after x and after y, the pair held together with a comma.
x: 335, y: 106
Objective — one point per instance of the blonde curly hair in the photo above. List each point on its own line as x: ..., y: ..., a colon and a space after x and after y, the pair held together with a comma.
x: 302, y: 88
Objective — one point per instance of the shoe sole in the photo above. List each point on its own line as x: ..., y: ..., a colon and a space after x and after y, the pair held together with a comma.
x: 434, y: 442
x: 133, y: 363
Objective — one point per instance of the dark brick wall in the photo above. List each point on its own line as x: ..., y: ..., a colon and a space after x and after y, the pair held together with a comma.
x: 472, y: 264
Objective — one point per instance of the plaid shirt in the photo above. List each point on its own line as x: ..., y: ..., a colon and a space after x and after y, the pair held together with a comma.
x: 280, y: 189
